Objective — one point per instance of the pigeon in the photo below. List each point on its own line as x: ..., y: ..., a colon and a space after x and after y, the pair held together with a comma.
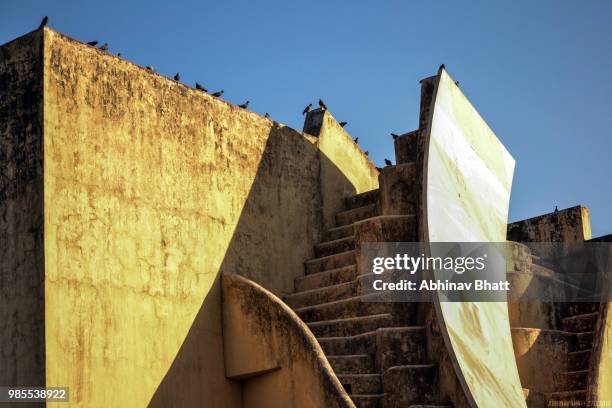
x: 44, y: 22
x: 366, y: 153
x: 267, y: 115
x: 244, y: 105
x: 177, y: 77
x: 379, y: 169
x: 150, y: 68
x: 556, y: 209
x: 307, y: 109
x: 388, y: 162
x: 442, y: 67
x: 356, y: 140
x: 201, y: 88
x: 118, y: 54
x: 104, y: 47
x: 218, y: 94
x: 92, y: 43
x: 322, y: 104
x: 343, y: 124
x: 457, y: 83
x: 394, y: 135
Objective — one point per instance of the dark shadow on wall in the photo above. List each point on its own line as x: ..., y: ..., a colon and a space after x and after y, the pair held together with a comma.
x: 279, y: 224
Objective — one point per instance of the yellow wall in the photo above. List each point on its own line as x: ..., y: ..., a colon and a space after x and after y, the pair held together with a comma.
x: 345, y: 169
x: 151, y: 188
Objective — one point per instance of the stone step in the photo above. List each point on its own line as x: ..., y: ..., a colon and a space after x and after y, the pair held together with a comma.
x: 361, y: 199
x: 364, y: 305
x: 580, y: 323
x: 361, y: 383
x: 571, y: 380
x: 410, y: 385
x: 341, y: 346
x: 321, y: 295
x: 352, y: 364
x: 326, y: 278
x: 349, y: 217
x: 335, y: 247
x: 579, y: 360
x: 351, y: 326
x: 584, y: 341
x: 330, y: 262
x: 367, y: 401
x: 339, y: 232
x: 566, y: 399
x: 401, y: 346
x: 578, y: 308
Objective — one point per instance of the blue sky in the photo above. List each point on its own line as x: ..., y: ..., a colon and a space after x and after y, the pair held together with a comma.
x: 538, y: 71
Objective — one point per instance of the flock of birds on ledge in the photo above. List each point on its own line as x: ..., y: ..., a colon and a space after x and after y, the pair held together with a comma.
x: 104, y: 47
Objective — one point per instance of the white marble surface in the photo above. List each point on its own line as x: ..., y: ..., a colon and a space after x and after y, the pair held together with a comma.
x: 468, y: 182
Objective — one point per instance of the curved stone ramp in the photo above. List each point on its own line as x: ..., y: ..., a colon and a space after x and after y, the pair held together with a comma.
x: 272, y: 350
x: 467, y: 180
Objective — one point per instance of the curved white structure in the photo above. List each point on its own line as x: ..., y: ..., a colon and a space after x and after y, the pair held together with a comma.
x: 468, y: 176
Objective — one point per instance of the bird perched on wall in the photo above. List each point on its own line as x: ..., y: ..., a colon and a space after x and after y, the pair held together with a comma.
x: 388, y: 162
x: 366, y: 153
x: 457, y: 83
x: 150, y: 68
x: 201, y: 88
x: 118, y: 54
x: 322, y: 105
x: 307, y: 109
x: 104, y: 47
x: 218, y: 94
x: 244, y: 105
x: 442, y: 66
x: 379, y: 169
x: 356, y: 140
x: 177, y: 77
x: 92, y: 43
x: 343, y: 124
x: 556, y: 209
x: 394, y: 136
x: 44, y: 22
x: 267, y: 115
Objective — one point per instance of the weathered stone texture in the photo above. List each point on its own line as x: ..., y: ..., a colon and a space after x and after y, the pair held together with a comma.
x: 21, y: 213
x: 150, y: 189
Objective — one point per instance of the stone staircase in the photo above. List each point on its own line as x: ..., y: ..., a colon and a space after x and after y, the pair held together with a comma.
x: 376, y: 349
x: 578, y: 318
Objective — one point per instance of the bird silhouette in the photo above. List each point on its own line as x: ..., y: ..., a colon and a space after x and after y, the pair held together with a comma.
x: 267, y: 115
x: 442, y: 66
x: 394, y: 136
x: 457, y: 83
x: 307, y: 109
x: 556, y: 209
x: 201, y: 88
x: 177, y: 77
x: 343, y: 124
x: 379, y: 169
x: 366, y: 153
x: 322, y: 104
x: 150, y: 68
x: 104, y: 47
x: 356, y: 140
x: 44, y: 22
x: 244, y: 105
x: 118, y: 54
x: 218, y: 94
x: 92, y: 43
x: 388, y: 162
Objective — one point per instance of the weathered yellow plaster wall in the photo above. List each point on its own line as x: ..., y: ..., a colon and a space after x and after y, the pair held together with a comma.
x: 347, y: 171
x: 22, y: 349
x: 151, y: 189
